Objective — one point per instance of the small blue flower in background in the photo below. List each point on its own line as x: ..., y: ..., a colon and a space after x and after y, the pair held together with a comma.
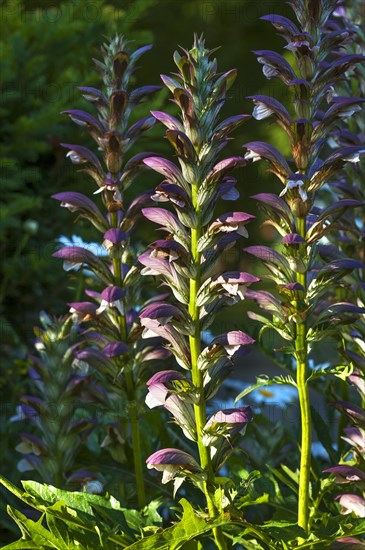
x: 76, y: 240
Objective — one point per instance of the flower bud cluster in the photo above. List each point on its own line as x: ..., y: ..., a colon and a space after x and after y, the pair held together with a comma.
x: 111, y: 347
x: 349, y: 186
x: 307, y: 275
x: 55, y: 409
x: 312, y: 78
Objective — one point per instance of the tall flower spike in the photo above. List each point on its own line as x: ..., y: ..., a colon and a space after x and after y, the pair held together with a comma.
x: 112, y: 349
x: 305, y: 311
x: 52, y: 411
x: 349, y: 186
x: 186, y: 261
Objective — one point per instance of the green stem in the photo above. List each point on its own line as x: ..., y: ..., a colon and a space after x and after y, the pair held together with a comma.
x: 197, y: 379
x: 304, y: 401
x: 131, y: 391
x: 79, y: 286
x: 343, y: 420
x: 136, y: 439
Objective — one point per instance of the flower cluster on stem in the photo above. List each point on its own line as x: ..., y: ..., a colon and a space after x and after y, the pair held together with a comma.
x: 305, y: 309
x: 110, y: 322
x: 53, y: 410
x: 186, y: 263
x: 349, y: 186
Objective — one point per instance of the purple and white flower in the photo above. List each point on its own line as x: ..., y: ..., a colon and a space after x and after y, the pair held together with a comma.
x: 233, y: 221
x: 352, y: 504
x: 112, y: 296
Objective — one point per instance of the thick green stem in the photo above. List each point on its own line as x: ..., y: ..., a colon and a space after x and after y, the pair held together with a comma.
x: 136, y: 439
x: 197, y: 379
x: 304, y: 401
x: 131, y: 392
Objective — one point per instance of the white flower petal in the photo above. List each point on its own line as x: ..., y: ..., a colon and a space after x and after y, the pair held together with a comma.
x: 303, y: 194
x: 294, y: 183
x: 69, y: 266
x: 242, y: 230
x: 24, y: 466
x: 177, y: 484
x: 102, y: 307
x: 148, y: 333
x: 252, y: 156
x: 269, y: 71
x: 261, y: 111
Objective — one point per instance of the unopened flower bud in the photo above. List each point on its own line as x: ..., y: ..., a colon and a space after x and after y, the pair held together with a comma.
x: 120, y: 63
x: 307, y: 67
x: 299, y: 207
x: 114, y: 162
x: 118, y: 104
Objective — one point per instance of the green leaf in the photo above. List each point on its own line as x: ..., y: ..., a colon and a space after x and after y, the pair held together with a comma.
x: 86, y: 528
x: 323, y: 434
x: 338, y: 526
x: 192, y: 545
x: 265, y: 380
x: 20, y: 545
x: 173, y: 538
x: 287, y: 481
x: 293, y: 475
x: 248, y: 544
x: 59, y: 529
x: 262, y: 331
x: 35, y: 531
x: 248, y: 529
x: 43, y: 496
x: 283, y: 530
x: 89, y: 519
x: 341, y: 371
x: 342, y: 526
x: 13, y: 489
x: 358, y: 528
x: 249, y: 501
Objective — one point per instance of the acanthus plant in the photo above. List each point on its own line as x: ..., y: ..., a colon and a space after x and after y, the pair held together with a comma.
x: 186, y: 261
x: 117, y: 334
x: 350, y: 186
x: 304, y: 310
x: 111, y: 347
x: 54, y: 410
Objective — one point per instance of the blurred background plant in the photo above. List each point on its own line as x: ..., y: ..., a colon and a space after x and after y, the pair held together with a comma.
x: 56, y: 411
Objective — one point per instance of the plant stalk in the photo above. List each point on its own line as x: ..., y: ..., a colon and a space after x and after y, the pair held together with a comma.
x: 304, y: 401
x: 131, y: 393
x: 197, y: 379
x: 136, y: 439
